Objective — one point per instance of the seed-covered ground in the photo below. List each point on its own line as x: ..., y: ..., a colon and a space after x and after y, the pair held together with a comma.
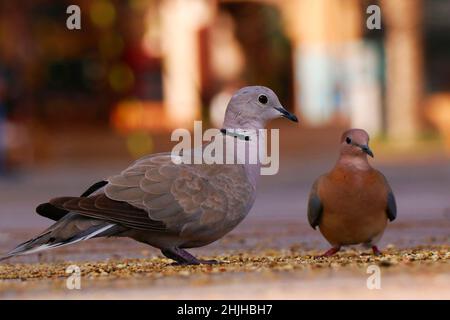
x: 120, y: 268
x: 242, y: 273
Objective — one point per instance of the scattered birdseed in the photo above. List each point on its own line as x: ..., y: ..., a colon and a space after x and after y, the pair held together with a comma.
x: 240, y: 262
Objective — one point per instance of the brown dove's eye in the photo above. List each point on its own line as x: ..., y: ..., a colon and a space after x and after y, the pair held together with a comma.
x: 263, y: 99
x: 348, y: 140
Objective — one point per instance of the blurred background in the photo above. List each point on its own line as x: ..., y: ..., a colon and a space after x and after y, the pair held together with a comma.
x: 139, y: 68
x: 78, y: 105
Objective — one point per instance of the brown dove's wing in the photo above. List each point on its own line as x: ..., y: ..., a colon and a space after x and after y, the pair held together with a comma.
x: 315, y: 206
x: 156, y: 194
x: 391, y: 208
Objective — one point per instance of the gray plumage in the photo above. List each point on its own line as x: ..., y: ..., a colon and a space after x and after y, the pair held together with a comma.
x: 391, y: 207
x: 169, y: 206
x: 315, y: 207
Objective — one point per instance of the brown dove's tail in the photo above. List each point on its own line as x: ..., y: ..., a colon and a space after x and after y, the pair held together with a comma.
x: 70, y: 229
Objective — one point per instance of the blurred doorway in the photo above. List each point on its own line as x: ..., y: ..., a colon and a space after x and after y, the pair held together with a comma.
x: 246, y: 45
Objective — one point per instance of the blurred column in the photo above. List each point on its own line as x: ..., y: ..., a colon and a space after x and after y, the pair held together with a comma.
x: 404, y: 67
x: 181, y: 21
x: 313, y: 61
x: 363, y: 89
x: 323, y: 33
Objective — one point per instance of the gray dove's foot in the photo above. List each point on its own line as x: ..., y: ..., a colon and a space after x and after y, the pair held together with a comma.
x: 197, y: 262
x: 182, y: 257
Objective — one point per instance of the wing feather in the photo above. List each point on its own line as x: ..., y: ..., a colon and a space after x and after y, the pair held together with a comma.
x: 156, y: 194
x: 315, y: 206
x: 391, y: 206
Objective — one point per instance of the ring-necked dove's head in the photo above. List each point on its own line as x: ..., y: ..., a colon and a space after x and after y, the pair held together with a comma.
x: 251, y: 107
x: 355, y: 142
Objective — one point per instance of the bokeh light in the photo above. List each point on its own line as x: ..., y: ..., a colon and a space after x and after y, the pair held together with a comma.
x: 135, y: 115
x: 139, y: 144
x: 102, y: 13
x: 121, y: 77
x: 111, y: 46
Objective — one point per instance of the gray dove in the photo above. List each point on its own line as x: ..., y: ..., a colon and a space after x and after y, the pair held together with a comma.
x: 169, y: 206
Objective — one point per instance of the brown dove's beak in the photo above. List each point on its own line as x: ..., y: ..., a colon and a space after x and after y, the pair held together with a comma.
x: 286, y: 114
x: 366, y: 149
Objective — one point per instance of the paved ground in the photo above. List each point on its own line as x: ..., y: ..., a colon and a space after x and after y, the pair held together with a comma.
x: 267, y: 256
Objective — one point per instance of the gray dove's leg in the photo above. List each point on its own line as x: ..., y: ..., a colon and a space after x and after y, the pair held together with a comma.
x: 182, y: 257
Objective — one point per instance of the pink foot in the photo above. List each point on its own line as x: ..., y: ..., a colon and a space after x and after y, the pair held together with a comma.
x: 376, y: 251
x: 330, y: 252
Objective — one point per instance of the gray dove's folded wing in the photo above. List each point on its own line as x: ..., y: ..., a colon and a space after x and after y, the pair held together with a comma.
x: 156, y: 194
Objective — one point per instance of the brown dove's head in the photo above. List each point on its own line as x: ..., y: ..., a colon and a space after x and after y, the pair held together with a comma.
x: 355, y: 142
x: 251, y: 107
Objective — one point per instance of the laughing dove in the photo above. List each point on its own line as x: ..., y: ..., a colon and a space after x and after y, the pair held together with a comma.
x: 168, y: 205
x: 353, y: 203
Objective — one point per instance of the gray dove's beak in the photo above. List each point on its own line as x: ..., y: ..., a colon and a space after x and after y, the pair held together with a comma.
x: 286, y: 114
x: 366, y: 149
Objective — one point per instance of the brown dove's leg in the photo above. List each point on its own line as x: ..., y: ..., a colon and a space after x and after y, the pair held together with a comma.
x: 182, y: 257
x: 376, y: 251
x: 330, y: 252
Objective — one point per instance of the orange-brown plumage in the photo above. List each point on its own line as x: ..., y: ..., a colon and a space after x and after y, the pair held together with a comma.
x: 353, y: 202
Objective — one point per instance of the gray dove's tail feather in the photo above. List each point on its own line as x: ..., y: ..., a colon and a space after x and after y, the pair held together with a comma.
x: 62, y: 233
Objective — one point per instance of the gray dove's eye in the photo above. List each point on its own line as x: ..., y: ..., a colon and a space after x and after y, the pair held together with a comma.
x: 348, y: 140
x: 263, y: 99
